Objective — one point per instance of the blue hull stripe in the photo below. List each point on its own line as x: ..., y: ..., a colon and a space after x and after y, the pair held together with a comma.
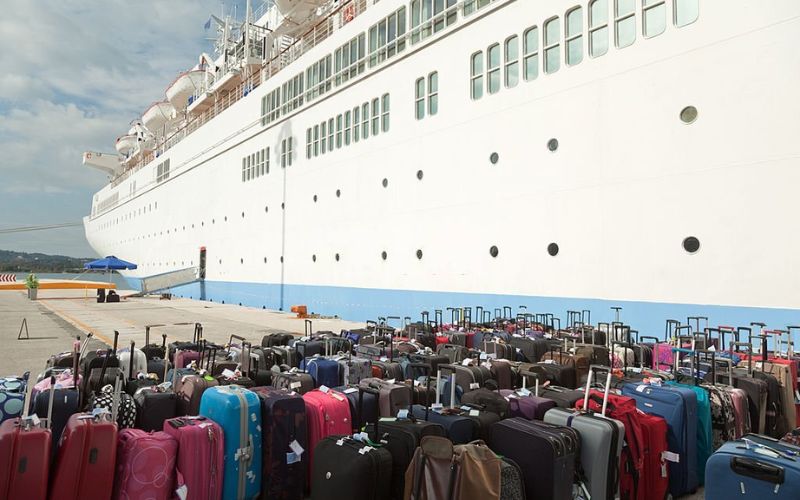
x: 361, y: 304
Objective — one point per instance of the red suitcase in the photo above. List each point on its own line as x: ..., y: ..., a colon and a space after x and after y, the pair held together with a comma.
x: 327, y: 414
x: 201, y: 452
x: 86, y: 457
x: 145, y: 465
x: 25, y: 445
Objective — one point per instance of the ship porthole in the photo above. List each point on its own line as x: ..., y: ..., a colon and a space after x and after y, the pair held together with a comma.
x: 337, y: 257
x: 419, y: 254
x: 552, y: 249
x: 242, y: 215
x: 493, y: 251
x: 494, y: 158
x: 226, y: 218
x: 213, y: 221
x: 420, y: 174
x: 689, y: 114
x: 265, y: 260
x: 241, y: 261
x: 552, y: 145
x: 338, y: 193
x: 385, y: 182
x: 314, y: 258
x: 384, y: 255
x: 315, y: 198
x: 266, y: 209
x: 281, y: 259
x: 283, y: 206
x: 691, y: 244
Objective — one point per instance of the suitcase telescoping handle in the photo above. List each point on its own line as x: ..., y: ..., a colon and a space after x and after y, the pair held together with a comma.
x: 246, y: 348
x: 525, y: 374
x: 734, y: 349
x: 426, y: 372
x: 130, y: 360
x: 362, y: 420
x: 308, y: 328
x: 166, y: 362
x: 103, y: 371
x: 452, y: 370
x: 116, y: 339
x: 669, y: 329
x: 592, y: 370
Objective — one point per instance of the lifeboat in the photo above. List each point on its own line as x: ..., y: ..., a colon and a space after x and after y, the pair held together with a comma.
x: 157, y: 115
x: 186, y: 85
x: 126, y: 144
x: 298, y: 15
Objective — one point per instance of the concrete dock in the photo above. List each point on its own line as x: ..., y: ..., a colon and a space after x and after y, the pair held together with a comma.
x: 59, y: 316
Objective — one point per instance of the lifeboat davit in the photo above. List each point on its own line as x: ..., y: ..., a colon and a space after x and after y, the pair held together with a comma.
x: 157, y: 115
x: 126, y: 144
x: 186, y: 85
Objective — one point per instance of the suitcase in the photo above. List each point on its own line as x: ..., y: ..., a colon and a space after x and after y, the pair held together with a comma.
x: 105, y: 399
x: 679, y: 408
x: 276, y: 339
x: 502, y: 372
x: 324, y: 371
x: 602, y: 439
x: 154, y: 406
x: 284, y: 429
x: 190, y: 393
x: 346, y: 468
x: 363, y: 405
x: 393, y: 397
x: 86, y: 459
x: 401, y: 438
x: 742, y: 469
x: 354, y: 369
x: 238, y: 412
x: 25, y: 454
x: 327, y: 414
x: 487, y: 400
x: 145, y: 465
x: 201, y: 456
x: 285, y: 355
x: 705, y: 445
x: 138, y: 365
x: 390, y: 370
x: 563, y: 397
x: 546, y: 453
x: 526, y: 404
x: 454, y: 353
x: 459, y: 429
x: 294, y: 381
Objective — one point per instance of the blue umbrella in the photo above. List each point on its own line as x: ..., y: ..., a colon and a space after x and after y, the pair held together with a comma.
x: 109, y: 263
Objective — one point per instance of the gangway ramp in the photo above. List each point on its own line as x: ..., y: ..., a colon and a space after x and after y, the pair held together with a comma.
x: 172, y: 279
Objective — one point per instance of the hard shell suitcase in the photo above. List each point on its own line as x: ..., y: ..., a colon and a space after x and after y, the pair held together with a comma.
x: 284, y: 429
x: 346, y: 468
x: 327, y: 414
x: 25, y: 455
x: 139, y: 364
x: 546, y: 453
x: 201, y: 456
x: 238, y: 412
x: 742, y: 469
x: 145, y: 465
x: 86, y: 459
x: 602, y: 439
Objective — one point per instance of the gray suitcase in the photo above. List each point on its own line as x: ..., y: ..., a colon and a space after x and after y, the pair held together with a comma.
x: 354, y: 369
x: 601, y: 445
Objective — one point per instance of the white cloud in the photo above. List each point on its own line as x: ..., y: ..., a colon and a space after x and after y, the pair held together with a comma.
x: 75, y: 73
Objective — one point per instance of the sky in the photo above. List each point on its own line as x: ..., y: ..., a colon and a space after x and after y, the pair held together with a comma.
x: 75, y: 73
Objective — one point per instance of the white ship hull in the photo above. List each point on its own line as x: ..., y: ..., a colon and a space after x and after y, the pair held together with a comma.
x: 628, y: 182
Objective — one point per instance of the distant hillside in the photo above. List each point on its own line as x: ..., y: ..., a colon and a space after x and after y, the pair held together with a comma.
x: 21, y: 262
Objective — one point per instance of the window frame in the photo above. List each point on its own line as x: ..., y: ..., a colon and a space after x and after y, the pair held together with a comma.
x: 648, y: 5
x: 571, y: 37
x: 511, y: 63
x: 356, y: 123
x: 676, y: 9
x: 476, y: 77
x: 348, y: 123
x: 433, y: 94
x: 594, y: 28
x: 365, y: 107
x: 308, y: 143
x: 419, y: 98
x: 548, y: 47
x: 339, y: 131
x: 323, y: 137
x: 316, y: 140
x: 492, y: 71
x: 619, y: 19
x: 386, y: 107
x: 528, y: 54
x: 376, y: 116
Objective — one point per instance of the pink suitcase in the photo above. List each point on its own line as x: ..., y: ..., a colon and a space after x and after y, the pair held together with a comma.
x: 145, y: 465
x: 201, y: 450
x: 327, y: 414
x: 86, y: 458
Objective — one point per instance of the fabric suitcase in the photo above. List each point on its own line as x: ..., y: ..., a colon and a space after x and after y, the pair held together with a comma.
x: 705, y: 446
x: 346, y: 468
x: 459, y: 429
x: 354, y: 369
x: 294, y: 381
x: 324, y: 371
x: 393, y: 396
x: 487, y: 400
x: 679, y: 408
x: 401, y: 438
x: 502, y: 372
x: 11, y: 404
x: 527, y: 405
x: 201, y: 456
x: 190, y: 393
x: 283, y: 426
x: 153, y: 407
x: 86, y: 459
x: 546, y: 453
x: 327, y: 414
x: 276, y: 339
x: 739, y: 470
x: 563, y: 397
x: 139, y: 362
x: 145, y: 465
x: 238, y: 412
x: 363, y: 405
x: 388, y: 369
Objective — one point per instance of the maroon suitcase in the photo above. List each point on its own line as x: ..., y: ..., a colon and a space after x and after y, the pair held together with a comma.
x: 25, y: 454
x: 201, y: 453
x: 86, y: 458
x: 145, y: 465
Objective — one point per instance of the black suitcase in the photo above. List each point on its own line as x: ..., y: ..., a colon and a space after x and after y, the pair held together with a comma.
x: 152, y: 351
x: 428, y: 359
x: 276, y: 339
x: 154, y: 407
x: 283, y: 423
x: 346, y: 468
x: 546, y: 454
x: 401, y: 438
x: 564, y: 397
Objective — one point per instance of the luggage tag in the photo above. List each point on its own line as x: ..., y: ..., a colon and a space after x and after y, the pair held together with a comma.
x: 361, y: 437
x: 324, y: 388
x: 295, y: 385
x: 182, y: 492
x: 474, y: 386
x: 384, y: 359
x: 466, y: 362
x: 437, y: 406
x: 292, y: 458
x: 549, y: 361
x: 351, y: 390
x: 523, y: 392
x: 390, y: 381
x: 670, y: 457
x: 474, y: 413
x: 402, y: 414
x: 228, y: 373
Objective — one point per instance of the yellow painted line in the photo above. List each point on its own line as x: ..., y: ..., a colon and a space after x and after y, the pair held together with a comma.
x: 86, y: 328
x: 60, y: 285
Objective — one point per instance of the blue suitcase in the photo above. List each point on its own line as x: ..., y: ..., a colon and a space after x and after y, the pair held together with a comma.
x: 324, y: 371
x: 460, y: 430
x: 678, y: 407
x: 238, y: 412
x: 705, y: 445
x: 742, y: 469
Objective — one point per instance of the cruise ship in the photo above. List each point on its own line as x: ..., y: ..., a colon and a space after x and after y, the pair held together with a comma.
x: 382, y: 157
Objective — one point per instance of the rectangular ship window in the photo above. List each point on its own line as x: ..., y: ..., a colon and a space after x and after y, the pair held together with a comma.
x: 433, y: 93
x: 316, y: 140
x: 531, y: 51
x: 330, y: 134
x: 324, y: 137
x: 376, y: 113
x: 511, y: 54
x: 574, y: 36
x: 385, y: 115
x: 419, y: 97
x: 476, y: 65
x: 654, y: 14
x: 598, y: 27
x: 493, y: 69
x: 309, y: 144
x: 686, y: 12
x: 624, y: 22
x: 347, y: 125
x: 338, y: 131
x: 552, y: 47
x: 356, y: 123
x: 387, y: 37
x: 365, y: 121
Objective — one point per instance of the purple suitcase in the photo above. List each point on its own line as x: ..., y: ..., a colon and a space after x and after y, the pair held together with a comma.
x: 527, y: 406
